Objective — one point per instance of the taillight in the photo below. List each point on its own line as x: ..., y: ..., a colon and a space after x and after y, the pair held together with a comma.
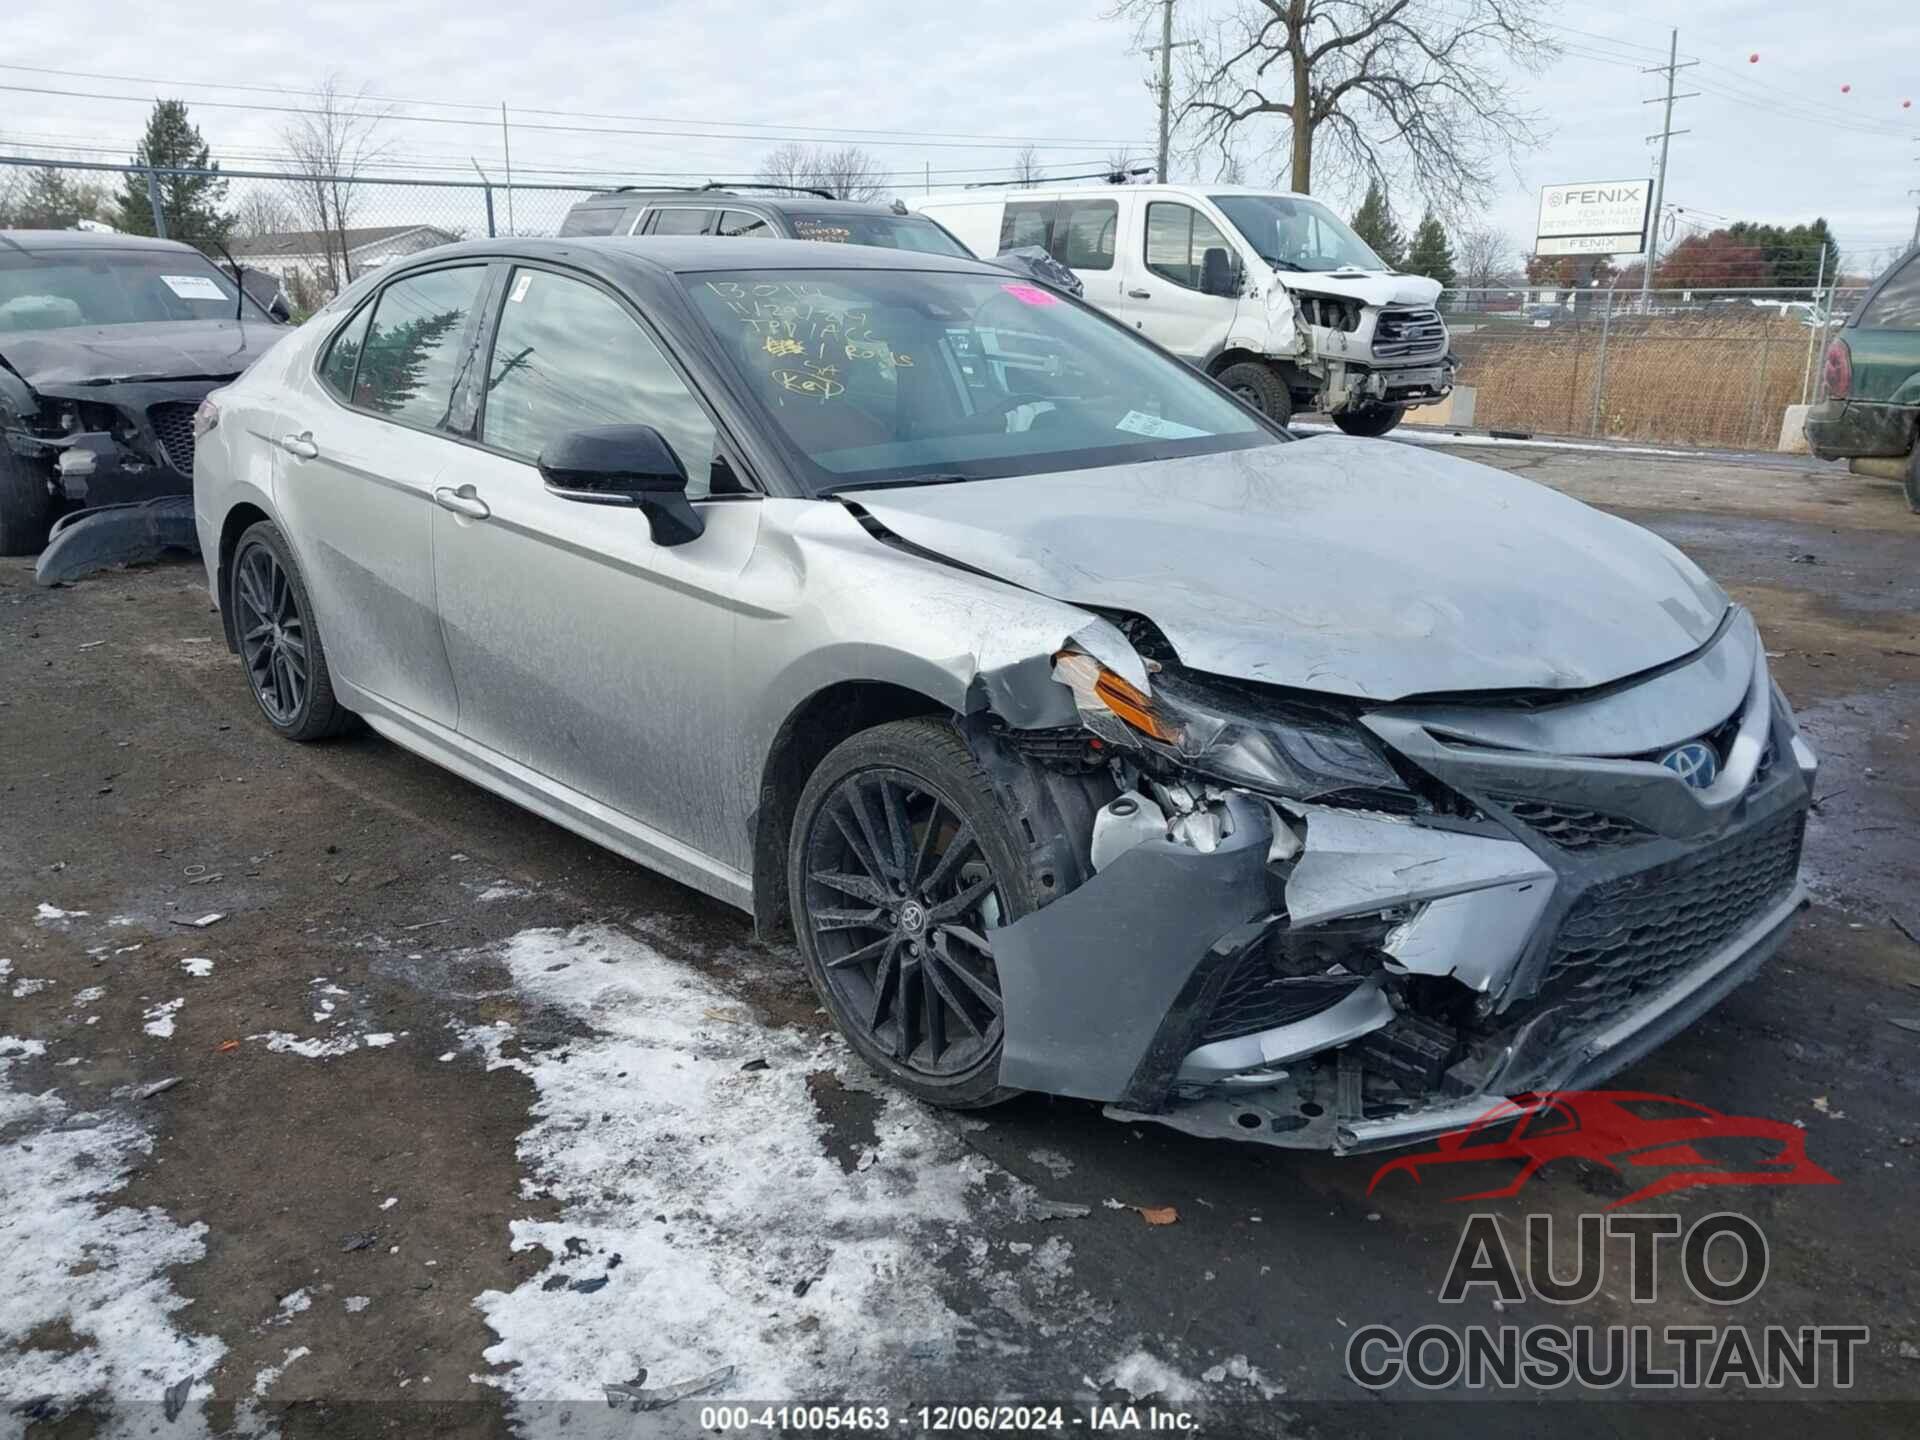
x: 1838, y: 373
x: 206, y: 418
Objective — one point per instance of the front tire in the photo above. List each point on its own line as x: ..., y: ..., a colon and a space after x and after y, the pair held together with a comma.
x: 901, y: 866
x: 280, y: 643
x: 1371, y: 421
x: 26, y: 507
x: 1260, y: 386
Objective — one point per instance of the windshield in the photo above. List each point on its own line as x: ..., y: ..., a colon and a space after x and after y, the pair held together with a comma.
x: 1297, y: 234
x: 883, y: 377
x: 890, y: 232
x: 59, y: 289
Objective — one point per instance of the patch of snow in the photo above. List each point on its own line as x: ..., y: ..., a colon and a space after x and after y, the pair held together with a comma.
x: 502, y: 890
x: 1141, y: 1374
x: 1237, y: 1368
x: 315, y: 1048
x: 1053, y: 1162
x: 69, y: 1256
x: 53, y: 914
x: 89, y: 995
x: 266, y: 1379
x: 6, y: 967
x: 23, y: 988
x: 298, y: 1303
x: 377, y: 1042
x: 356, y: 1303
x: 389, y: 1202
x: 742, y: 1240
x: 197, y: 966
x: 160, y: 1018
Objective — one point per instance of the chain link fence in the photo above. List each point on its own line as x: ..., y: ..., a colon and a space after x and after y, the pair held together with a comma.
x: 1677, y: 367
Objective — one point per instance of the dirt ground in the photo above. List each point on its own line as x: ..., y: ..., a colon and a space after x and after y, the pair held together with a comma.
x: 471, y: 1119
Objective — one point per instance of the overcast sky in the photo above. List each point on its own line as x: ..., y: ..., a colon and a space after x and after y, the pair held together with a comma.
x: 1777, y: 140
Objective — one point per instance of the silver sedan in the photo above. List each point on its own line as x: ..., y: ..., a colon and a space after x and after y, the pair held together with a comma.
x: 1093, y: 735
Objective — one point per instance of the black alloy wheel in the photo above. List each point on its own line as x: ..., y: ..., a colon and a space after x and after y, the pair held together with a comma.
x: 903, y: 870
x: 279, y: 642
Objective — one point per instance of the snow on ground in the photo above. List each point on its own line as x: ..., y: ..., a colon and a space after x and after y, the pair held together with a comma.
x: 160, y: 1018
x: 1142, y: 1374
x: 704, y: 1221
x: 197, y: 966
x: 266, y: 1379
x: 68, y: 1256
x: 53, y: 915
x: 25, y: 987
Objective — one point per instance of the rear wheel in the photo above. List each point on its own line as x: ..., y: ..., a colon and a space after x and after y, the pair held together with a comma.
x: 1260, y: 386
x: 26, y: 507
x: 1912, y: 481
x: 279, y: 642
x: 903, y: 867
x: 1370, y: 420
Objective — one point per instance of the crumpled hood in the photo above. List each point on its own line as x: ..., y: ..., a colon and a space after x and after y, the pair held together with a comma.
x: 162, y: 350
x: 1356, y: 567
x: 1368, y: 289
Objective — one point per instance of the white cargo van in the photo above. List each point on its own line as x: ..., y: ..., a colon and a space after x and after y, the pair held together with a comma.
x: 1269, y: 292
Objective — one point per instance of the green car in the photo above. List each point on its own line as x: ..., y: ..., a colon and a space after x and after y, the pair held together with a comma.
x: 1873, y: 384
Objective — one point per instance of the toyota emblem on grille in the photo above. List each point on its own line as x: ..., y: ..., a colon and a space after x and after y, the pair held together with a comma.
x: 1694, y: 762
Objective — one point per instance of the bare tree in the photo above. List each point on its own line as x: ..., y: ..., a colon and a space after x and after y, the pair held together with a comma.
x: 1027, y: 169
x: 848, y: 173
x: 1484, y: 258
x: 1120, y: 167
x: 1392, y: 90
x: 261, y: 210
x: 330, y: 141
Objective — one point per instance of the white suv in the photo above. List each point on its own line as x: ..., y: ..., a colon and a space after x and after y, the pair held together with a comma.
x: 1269, y: 292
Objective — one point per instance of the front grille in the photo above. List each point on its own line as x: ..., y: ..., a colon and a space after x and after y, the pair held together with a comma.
x: 1401, y: 333
x: 1257, y: 997
x: 1331, y: 312
x: 1627, y: 938
x: 1573, y: 828
x: 173, y: 423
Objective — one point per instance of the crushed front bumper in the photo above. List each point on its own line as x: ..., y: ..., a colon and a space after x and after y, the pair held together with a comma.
x: 1594, y: 906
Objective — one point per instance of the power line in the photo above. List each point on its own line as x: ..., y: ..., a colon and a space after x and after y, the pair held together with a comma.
x: 916, y: 136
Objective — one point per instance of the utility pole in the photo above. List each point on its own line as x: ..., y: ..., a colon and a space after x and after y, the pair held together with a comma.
x: 1671, y: 69
x: 1166, y: 47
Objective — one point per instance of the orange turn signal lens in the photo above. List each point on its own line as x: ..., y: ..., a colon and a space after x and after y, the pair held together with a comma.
x: 1086, y: 675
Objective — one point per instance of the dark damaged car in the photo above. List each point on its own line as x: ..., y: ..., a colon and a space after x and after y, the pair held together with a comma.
x: 108, y: 343
x: 1093, y: 735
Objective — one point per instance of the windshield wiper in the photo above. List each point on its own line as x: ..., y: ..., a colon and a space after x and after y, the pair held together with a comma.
x: 1278, y: 263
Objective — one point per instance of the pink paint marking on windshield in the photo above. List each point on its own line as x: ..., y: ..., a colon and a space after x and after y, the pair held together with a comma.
x: 1031, y: 295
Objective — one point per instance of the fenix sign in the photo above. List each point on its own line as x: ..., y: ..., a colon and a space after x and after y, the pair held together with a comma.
x: 1593, y: 217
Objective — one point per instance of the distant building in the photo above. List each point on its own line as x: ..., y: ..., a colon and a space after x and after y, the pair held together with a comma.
x: 308, y: 251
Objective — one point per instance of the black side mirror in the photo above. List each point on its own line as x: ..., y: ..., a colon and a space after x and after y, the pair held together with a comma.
x: 624, y: 465
x: 1218, y: 274
x: 278, y: 307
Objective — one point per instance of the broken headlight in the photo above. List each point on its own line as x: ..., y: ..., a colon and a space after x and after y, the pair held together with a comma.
x: 1231, y: 738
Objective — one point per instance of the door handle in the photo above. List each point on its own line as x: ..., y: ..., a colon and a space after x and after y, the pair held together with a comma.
x: 462, y: 502
x: 1140, y: 294
x: 300, y: 445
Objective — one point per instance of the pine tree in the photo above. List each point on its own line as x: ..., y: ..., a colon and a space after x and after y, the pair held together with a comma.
x: 192, y: 203
x: 48, y: 203
x: 1431, y: 254
x: 1373, y: 223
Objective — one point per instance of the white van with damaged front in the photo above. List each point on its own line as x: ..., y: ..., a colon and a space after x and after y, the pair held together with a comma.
x: 1269, y: 292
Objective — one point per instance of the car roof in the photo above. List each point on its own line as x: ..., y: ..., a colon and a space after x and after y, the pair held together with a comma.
x: 42, y: 241
x: 1044, y: 191
x: 656, y: 255
x: 712, y: 199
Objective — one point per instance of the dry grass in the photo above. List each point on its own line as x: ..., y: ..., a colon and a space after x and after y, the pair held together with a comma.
x: 1706, y: 380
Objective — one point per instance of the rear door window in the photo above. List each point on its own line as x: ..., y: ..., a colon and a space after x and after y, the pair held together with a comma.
x: 1026, y: 222
x: 593, y: 220
x: 416, y: 346
x: 1897, y: 306
x: 741, y: 224
x: 1083, y: 234
x: 678, y: 220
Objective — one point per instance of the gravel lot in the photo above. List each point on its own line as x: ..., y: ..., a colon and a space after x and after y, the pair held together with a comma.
x: 472, y: 1119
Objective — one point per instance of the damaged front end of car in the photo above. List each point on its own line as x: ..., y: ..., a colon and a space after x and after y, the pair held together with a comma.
x: 108, y: 444
x: 1314, y: 922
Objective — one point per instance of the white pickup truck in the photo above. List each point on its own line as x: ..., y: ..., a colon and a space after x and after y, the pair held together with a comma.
x: 1268, y: 292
